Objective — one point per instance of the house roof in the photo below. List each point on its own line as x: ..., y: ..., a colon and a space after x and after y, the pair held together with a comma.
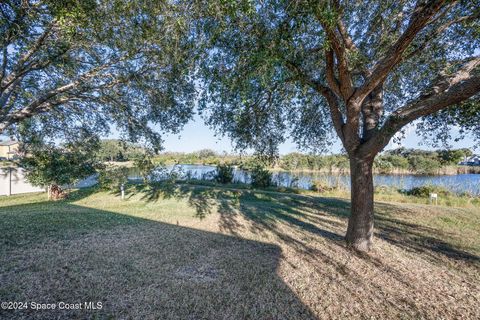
x: 8, y: 143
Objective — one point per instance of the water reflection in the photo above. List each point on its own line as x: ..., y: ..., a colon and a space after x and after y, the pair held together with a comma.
x: 303, y: 180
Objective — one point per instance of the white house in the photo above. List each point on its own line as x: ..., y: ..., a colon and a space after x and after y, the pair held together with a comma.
x: 471, y: 161
x: 8, y: 149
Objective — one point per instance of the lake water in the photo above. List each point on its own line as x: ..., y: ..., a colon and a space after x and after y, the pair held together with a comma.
x: 303, y: 180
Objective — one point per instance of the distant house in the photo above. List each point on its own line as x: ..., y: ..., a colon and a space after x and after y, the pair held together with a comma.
x: 8, y: 149
x: 471, y: 161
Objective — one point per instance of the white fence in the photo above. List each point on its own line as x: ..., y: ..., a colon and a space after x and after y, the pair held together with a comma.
x: 13, y: 181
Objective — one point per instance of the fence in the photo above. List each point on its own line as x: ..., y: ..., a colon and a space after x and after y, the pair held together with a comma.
x: 13, y: 181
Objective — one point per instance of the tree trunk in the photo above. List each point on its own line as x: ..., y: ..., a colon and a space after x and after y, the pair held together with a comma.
x: 360, y: 224
x: 55, y: 192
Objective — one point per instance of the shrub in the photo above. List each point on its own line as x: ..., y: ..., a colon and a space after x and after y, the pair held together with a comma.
x: 396, y: 161
x: 261, y: 177
x: 145, y: 166
x: 224, y: 173
x: 423, y: 165
x: 382, y: 166
x: 206, y: 153
x: 452, y: 157
x: 112, y: 178
x: 249, y: 163
x: 382, y: 189
x: 320, y: 186
x: 424, y: 191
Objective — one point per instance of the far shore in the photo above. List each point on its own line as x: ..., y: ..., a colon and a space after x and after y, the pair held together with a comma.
x: 444, y: 171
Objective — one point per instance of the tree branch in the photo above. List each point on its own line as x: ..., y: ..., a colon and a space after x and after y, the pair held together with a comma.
x: 330, y: 72
x: 447, y: 91
x: 420, y: 18
x: 4, y: 63
x: 335, y: 113
x: 438, y: 32
x: 19, y: 69
x: 339, y: 47
x: 49, y: 99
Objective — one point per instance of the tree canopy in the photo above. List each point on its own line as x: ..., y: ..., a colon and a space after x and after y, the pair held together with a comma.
x: 361, y: 69
x: 117, y: 150
x: 82, y: 66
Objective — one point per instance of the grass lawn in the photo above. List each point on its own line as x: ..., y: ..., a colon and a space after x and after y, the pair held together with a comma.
x: 199, y: 252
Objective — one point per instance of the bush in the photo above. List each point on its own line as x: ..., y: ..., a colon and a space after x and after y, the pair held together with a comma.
x: 424, y: 191
x: 382, y: 166
x: 145, y: 166
x: 423, y: 165
x: 398, y: 162
x: 261, y: 177
x: 206, y: 153
x: 112, y: 178
x: 320, y: 186
x: 224, y: 173
x: 382, y: 189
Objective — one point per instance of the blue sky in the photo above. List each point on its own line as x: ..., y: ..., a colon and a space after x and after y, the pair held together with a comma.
x: 196, y: 135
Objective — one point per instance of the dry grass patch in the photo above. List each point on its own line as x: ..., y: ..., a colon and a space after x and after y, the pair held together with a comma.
x: 184, y: 252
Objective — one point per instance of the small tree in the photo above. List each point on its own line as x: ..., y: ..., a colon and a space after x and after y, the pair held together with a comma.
x: 112, y: 178
x: 224, y: 173
x: 145, y: 166
x: 54, y: 167
x: 261, y: 177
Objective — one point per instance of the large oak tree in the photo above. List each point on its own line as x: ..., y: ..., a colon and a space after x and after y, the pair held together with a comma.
x: 360, y: 70
x: 72, y: 67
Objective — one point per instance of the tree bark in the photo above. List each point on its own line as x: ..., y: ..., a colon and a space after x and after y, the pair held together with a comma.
x: 360, y: 224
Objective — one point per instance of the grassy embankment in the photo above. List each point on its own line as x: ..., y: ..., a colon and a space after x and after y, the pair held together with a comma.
x: 382, y: 193
x: 422, y: 196
x: 183, y: 251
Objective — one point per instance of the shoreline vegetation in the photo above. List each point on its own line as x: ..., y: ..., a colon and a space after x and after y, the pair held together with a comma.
x: 447, y: 170
x: 401, y: 161
x: 262, y: 181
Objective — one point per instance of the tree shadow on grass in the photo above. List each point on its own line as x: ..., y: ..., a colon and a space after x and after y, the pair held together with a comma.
x: 429, y: 241
x: 137, y: 268
x: 264, y: 209
x: 63, y: 236
x: 309, y: 214
x: 410, y: 236
x: 304, y: 227
x: 145, y: 264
